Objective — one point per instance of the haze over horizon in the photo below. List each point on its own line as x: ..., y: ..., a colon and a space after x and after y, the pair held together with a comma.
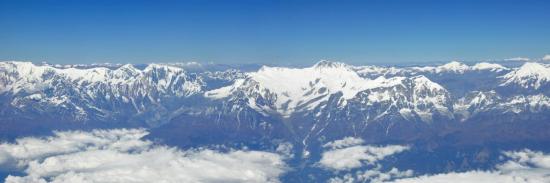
x: 272, y: 32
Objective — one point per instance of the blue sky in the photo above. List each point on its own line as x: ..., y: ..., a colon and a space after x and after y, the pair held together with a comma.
x: 278, y: 31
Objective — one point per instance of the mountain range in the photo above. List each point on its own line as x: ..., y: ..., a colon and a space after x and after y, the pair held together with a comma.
x: 194, y: 105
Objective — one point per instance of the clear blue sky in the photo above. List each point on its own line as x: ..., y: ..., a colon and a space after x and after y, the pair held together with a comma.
x: 278, y: 31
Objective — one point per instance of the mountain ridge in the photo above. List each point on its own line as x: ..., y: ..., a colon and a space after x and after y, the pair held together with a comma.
x: 328, y: 100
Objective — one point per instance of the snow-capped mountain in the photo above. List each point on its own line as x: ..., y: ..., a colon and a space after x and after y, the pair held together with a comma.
x: 476, y: 102
x: 489, y: 66
x: 328, y: 100
x: 96, y: 93
x: 294, y: 89
x: 25, y: 77
x: 529, y: 75
x: 453, y: 67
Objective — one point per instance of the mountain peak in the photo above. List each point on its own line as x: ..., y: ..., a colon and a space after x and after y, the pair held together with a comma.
x: 533, y: 68
x: 530, y: 74
x: 127, y: 69
x: 423, y: 81
x: 453, y: 66
x: 420, y: 78
x: 304, y: 88
x: 13, y: 62
x: 454, y: 63
x: 329, y: 64
x: 489, y: 66
x: 127, y: 66
x: 164, y: 67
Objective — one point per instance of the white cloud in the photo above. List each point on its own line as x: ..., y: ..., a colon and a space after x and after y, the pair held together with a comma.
x: 546, y: 58
x: 343, y: 159
x: 373, y: 176
x: 122, y: 156
x: 466, y: 177
x: 342, y: 156
x: 523, y: 167
x: 285, y: 149
x: 346, y: 154
x: 346, y: 142
x: 523, y: 59
x: 31, y: 148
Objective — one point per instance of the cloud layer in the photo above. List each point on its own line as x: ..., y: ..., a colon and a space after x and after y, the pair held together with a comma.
x: 347, y: 153
x: 360, y: 163
x: 524, y: 166
x: 122, y: 156
x: 353, y: 162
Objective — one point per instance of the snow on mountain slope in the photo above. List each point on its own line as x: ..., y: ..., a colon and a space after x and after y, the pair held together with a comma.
x: 451, y: 67
x: 99, y: 91
x: 25, y: 76
x: 376, y: 71
x: 302, y: 88
x: 170, y: 79
x: 530, y: 103
x: 489, y: 66
x: 160, y: 90
x: 489, y: 102
x: 418, y: 87
x: 529, y: 75
x: 428, y: 95
x: 290, y: 90
x: 295, y: 82
x: 413, y: 97
x: 475, y: 102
